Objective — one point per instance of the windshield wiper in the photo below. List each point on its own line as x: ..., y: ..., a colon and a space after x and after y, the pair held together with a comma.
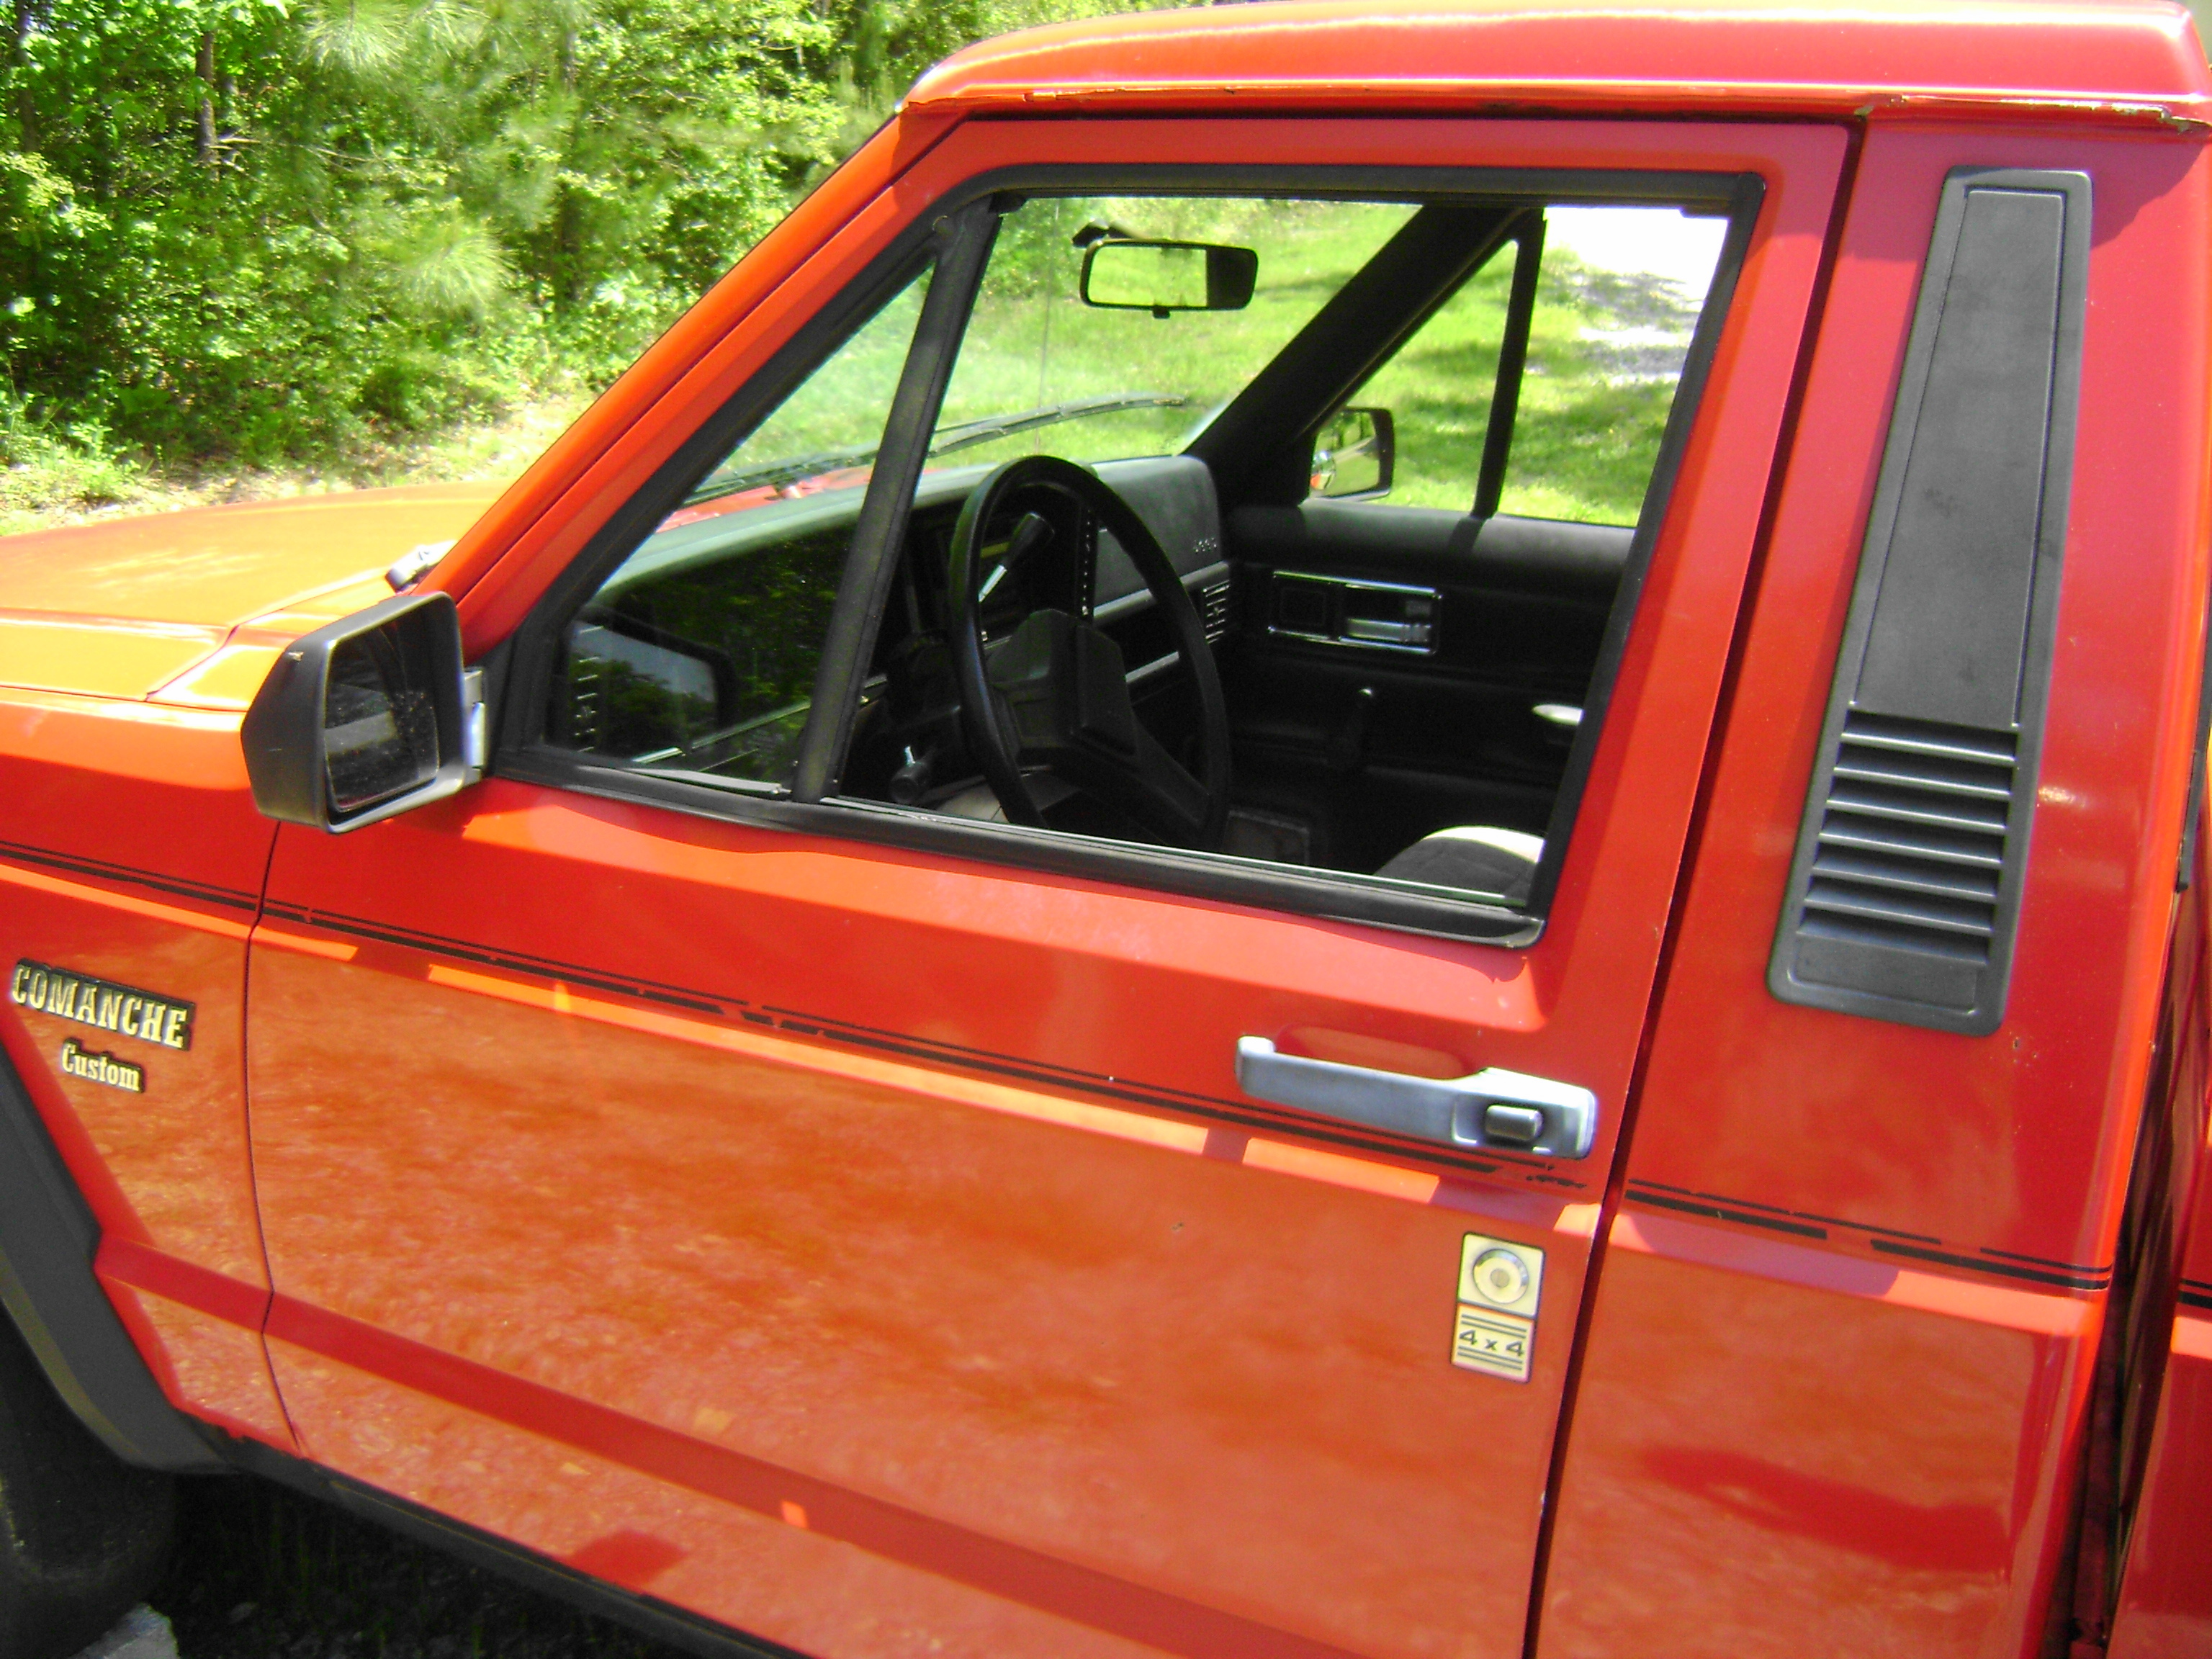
x: 991, y: 427
x: 946, y: 440
x: 719, y: 484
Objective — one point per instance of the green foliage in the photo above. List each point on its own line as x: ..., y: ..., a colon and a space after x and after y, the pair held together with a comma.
x: 267, y: 229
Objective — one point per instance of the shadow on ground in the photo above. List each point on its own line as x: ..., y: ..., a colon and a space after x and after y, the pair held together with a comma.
x: 261, y: 1572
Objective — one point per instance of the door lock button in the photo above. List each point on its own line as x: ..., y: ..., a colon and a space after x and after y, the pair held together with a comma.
x: 1515, y: 1126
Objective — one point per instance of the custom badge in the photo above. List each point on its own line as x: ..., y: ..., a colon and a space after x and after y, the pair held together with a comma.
x: 102, y: 1068
x: 165, y: 1021
x: 1500, y: 1283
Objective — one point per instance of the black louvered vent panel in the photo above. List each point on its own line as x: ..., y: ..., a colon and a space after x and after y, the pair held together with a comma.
x: 1905, y: 894
x: 1213, y: 610
x: 1912, y: 842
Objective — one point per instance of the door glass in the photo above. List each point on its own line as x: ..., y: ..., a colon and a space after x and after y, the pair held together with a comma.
x: 1438, y: 387
x: 1391, y: 715
x: 699, y: 652
x: 1617, y: 296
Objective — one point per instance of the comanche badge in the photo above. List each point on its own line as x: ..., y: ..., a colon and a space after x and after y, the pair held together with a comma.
x: 105, y: 1006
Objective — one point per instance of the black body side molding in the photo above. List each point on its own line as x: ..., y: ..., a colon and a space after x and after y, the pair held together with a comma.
x: 1904, y: 895
x: 47, y: 1240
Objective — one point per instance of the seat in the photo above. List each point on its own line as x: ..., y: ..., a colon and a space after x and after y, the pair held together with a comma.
x: 1477, y: 857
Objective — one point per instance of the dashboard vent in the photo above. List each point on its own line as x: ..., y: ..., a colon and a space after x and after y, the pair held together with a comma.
x: 1214, y: 611
x: 1904, y: 895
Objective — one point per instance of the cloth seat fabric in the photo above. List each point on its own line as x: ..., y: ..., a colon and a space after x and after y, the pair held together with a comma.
x: 1477, y: 857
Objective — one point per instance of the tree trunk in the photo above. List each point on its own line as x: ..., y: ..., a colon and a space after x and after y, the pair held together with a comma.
x: 204, y: 149
x: 27, y: 108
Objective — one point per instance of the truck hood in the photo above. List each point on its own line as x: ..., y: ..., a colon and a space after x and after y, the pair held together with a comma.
x: 190, y: 608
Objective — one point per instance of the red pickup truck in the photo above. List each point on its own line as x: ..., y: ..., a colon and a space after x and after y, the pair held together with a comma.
x: 1337, y: 832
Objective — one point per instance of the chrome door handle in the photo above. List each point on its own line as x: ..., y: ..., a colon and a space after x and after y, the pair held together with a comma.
x: 1510, y: 1111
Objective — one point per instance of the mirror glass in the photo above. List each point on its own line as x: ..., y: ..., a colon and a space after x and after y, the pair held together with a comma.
x: 1161, y: 278
x: 1351, y: 455
x: 379, y: 722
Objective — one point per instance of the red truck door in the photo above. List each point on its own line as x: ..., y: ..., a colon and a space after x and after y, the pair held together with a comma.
x: 1837, y: 1383
x: 850, y: 1225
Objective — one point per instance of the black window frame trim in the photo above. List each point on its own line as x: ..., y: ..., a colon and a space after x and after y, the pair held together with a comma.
x: 522, y: 753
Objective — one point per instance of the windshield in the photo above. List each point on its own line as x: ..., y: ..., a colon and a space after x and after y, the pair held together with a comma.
x: 1033, y: 344
x: 1111, y: 384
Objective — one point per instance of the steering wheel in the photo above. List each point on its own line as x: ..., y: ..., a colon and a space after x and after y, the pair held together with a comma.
x: 1055, y: 693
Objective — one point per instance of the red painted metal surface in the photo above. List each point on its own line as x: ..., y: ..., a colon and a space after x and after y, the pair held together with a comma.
x: 2057, y: 63
x: 2166, y: 1595
x: 871, y: 1249
x: 130, y: 850
x: 920, y: 1192
x: 1853, y: 1421
x: 2163, y: 1600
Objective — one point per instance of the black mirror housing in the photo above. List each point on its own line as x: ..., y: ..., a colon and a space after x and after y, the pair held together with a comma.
x: 367, y: 717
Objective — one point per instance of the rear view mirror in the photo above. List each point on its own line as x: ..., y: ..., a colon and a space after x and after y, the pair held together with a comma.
x: 1354, y: 454
x: 366, y: 717
x: 1168, y: 276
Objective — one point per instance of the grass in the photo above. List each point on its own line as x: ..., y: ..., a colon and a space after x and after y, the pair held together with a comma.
x: 1593, y: 403
x: 1603, y: 352
x: 75, y: 475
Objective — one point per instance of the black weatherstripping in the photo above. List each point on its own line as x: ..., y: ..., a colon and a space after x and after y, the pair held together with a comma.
x: 1904, y: 898
x: 48, y: 1238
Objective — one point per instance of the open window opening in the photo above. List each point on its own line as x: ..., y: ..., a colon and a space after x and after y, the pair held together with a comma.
x: 1252, y: 541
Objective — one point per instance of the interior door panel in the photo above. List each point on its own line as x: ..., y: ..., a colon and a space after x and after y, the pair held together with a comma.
x: 1436, y: 734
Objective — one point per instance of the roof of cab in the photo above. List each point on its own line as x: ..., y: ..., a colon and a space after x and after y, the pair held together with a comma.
x: 2129, y: 60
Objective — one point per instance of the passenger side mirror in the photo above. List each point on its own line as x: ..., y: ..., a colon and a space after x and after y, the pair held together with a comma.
x: 1354, y: 455
x: 1161, y: 278
x: 367, y: 717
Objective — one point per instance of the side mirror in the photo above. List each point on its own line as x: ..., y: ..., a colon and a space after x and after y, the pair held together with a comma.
x: 1355, y: 454
x: 1161, y: 278
x: 367, y: 717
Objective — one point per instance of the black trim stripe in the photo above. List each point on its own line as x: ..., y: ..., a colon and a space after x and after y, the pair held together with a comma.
x: 2194, y: 1299
x: 514, y: 962
x: 2048, y: 1261
x: 1721, y: 1213
x: 2005, y: 1263
x: 2071, y: 1281
x: 818, y: 1028
x: 1778, y: 1209
x: 176, y: 886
